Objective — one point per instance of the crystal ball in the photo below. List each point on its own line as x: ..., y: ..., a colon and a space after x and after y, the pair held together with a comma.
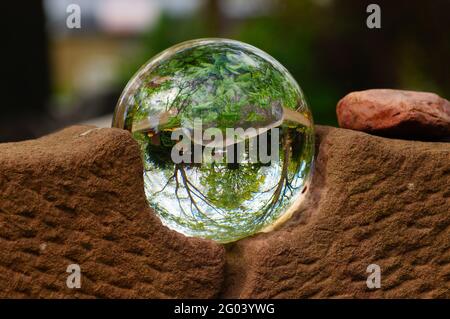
x: 226, y: 136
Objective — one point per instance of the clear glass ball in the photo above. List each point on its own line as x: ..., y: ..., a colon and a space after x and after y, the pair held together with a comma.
x: 226, y: 135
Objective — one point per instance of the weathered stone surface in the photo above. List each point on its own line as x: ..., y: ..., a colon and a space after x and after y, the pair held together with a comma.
x: 395, y: 113
x: 76, y: 197
x: 373, y: 200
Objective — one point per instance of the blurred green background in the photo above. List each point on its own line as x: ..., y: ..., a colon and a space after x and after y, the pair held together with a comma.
x: 54, y: 76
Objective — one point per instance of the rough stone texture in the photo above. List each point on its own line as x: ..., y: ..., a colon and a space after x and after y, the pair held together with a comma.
x: 373, y: 200
x: 395, y: 113
x: 76, y: 197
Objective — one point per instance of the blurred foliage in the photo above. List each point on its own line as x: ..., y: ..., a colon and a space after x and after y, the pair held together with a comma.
x: 327, y: 46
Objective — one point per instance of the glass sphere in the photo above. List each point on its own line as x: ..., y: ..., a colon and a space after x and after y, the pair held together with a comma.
x: 226, y: 135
